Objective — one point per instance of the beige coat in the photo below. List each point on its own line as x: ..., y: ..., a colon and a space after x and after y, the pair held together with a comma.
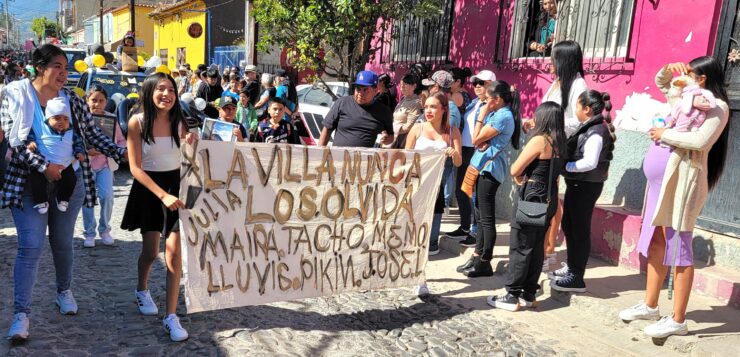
x: 685, y: 183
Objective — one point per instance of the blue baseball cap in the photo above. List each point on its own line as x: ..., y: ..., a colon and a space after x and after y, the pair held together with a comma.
x: 366, y: 79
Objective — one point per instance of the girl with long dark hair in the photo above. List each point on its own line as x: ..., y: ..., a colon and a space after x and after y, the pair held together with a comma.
x: 680, y: 175
x: 590, y: 152
x: 535, y: 172
x: 497, y: 126
x: 154, y: 158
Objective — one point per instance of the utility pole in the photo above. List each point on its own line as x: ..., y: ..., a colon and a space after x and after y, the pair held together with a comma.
x: 7, y: 23
x: 101, y: 23
x: 132, y: 14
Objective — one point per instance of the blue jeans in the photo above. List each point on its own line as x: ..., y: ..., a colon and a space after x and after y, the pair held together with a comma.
x: 104, y: 186
x: 31, y: 229
x: 449, y: 187
x: 437, y: 220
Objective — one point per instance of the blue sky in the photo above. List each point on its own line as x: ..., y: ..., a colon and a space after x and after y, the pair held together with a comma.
x: 27, y: 10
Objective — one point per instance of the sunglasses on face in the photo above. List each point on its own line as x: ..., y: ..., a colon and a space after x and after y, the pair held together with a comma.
x: 479, y: 82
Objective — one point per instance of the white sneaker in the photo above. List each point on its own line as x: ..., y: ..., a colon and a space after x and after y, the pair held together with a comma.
x: 172, y: 325
x: 19, y: 329
x: 146, y: 304
x: 62, y: 206
x: 422, y: 290
x: 89, y: 242
x: 640, y: 312
x: 42, y: 208
x: 66, y: 302
x: 666, y: 327
x: 106, y: 238
x: 563, y: 271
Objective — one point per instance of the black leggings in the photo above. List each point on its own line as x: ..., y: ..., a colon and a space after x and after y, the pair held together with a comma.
x: 578, y: 206
x: 485, y: 202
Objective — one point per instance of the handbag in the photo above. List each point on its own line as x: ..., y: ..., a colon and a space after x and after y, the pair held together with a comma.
x: 534, y: 213
x: 471, y: 177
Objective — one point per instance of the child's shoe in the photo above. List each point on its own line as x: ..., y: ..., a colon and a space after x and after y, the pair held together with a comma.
x: 62, y: 206
x: 42, y: 208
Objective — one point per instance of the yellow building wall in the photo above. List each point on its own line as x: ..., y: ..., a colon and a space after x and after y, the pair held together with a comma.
x: 144, y: 26
x: 172, y: 33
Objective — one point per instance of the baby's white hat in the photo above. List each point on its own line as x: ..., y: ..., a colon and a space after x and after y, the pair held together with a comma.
x: 57, y: 106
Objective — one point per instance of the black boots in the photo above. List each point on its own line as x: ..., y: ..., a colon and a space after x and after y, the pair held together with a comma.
x: 480, y: 268
x: 469, y: 264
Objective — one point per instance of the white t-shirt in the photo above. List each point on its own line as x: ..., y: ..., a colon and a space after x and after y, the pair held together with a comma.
x: 553, y: 94
x: 470, y: 117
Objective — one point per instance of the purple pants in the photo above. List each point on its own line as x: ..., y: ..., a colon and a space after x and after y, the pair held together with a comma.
x: 654, y: 166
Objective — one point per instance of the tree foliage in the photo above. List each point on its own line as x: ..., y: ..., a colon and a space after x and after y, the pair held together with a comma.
x: 41, y: 26
x: 336, y: 37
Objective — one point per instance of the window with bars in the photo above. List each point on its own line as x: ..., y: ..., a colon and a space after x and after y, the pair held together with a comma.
x: 422, y: 40
x: 601, y: 27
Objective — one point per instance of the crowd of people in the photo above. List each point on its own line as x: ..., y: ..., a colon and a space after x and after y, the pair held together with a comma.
x: 58, y: 163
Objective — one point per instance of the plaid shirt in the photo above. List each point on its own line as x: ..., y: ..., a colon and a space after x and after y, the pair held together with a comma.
x: 22, y: 161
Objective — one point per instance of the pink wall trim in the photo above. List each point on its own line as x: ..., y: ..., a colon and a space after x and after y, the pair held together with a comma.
x: 658, y: 37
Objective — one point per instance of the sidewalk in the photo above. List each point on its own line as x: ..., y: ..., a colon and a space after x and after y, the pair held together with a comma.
x: 578, y: 320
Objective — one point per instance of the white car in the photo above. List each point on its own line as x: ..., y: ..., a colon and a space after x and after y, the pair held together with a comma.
x: 314, y: 103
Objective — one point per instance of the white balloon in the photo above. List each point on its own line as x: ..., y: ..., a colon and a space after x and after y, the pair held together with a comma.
x: 200, y: 103
x: 89, y: 61
x: 117, y: 98
x: 188, y: 97
x: 153, y: 62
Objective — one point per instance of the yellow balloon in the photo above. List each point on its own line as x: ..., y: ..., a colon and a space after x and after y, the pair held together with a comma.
x: 80, y: 66
x: 163, y: 69
x: 140, y: 61
x: 79, y: 91
x: 132, y: 95
x: 98, y: 60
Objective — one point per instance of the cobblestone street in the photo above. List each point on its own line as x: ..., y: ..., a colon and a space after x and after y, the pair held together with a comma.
x: 390, y: 322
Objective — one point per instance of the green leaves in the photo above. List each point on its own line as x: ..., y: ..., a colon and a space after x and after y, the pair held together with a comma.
x: 332, y: 35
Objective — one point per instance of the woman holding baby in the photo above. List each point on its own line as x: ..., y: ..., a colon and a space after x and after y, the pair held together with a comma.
x: 681, y: 167
x: 26, y: 114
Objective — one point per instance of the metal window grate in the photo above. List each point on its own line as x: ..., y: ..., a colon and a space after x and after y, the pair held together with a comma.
x: 421, y: 40
x: 601, y: 27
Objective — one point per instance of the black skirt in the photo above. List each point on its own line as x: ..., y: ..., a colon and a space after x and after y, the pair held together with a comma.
x: 146, y: 212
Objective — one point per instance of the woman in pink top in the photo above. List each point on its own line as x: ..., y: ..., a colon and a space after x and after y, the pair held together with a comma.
x: 103, y: 173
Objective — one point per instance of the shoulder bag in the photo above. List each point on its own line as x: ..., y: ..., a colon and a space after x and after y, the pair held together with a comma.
x: 534, y: 213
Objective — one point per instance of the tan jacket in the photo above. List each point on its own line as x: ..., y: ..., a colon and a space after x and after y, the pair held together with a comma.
x: 685, y: 183
x: 406, y: 113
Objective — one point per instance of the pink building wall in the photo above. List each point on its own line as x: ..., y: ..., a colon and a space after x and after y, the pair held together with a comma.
x: 658, y: 36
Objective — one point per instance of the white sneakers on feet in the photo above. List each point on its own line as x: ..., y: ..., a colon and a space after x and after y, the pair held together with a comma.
x: 639, y: 312
x: 145, y: 303
x: 172, y: 325
x: 666, y: 327
x: 42, y: 208
x: 66, y: 302
x: 89, y: 242
x: 19, y: 328
x: 106, y: 238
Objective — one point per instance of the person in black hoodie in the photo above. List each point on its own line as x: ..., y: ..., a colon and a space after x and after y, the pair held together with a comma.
x: 211, y: 90
x: 589, y: 152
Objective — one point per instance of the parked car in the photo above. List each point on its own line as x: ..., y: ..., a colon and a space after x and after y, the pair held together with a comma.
x: 73, y: 55
x: 314, y: 103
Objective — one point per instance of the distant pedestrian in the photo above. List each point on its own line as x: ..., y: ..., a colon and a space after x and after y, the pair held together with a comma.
x: 154, y: 159
x: 273, y: 128
x: 358, y: 120
x: 227, y: 113
x: 20, y: 113
x: 676, y: 157
x: 407, y: 110
x: 460, y: 95
x: 245, y: 112
x: 103, y: 170
x: 535, y: 172
x: 211, y: 90
x: 384, y: 95
x: 589, y: 153
x: 268, y: 91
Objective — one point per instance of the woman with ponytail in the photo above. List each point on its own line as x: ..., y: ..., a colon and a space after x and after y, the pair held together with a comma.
x: 589, y: 151
x: 497, y: 125
x: 680, y: 175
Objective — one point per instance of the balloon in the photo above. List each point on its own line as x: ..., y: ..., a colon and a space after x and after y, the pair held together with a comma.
x: 163, y: 69
x: 153, y: 61
x: 187, y: 96
x: 80, y: 66
x: 133, y: 95
x: 88, y: 61
x: 200, y: 103
x: 140, y: 61
x: 117, y: 98
x: 98, y: 60
x: 79, y: 91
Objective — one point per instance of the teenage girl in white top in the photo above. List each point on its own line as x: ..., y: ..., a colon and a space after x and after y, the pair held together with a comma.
x: 154, y: 154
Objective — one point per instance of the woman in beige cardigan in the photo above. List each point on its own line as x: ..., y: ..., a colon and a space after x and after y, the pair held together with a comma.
x: 680, y: 174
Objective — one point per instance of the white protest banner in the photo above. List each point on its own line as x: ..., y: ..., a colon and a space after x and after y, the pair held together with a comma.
x: 273, y: 222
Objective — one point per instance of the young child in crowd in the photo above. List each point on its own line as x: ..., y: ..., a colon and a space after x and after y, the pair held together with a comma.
x: 57, y: 132
x: 102, y: 169
x: 273, y: 129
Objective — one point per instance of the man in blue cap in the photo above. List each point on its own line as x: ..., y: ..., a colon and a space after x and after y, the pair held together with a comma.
x: 358, y: 120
